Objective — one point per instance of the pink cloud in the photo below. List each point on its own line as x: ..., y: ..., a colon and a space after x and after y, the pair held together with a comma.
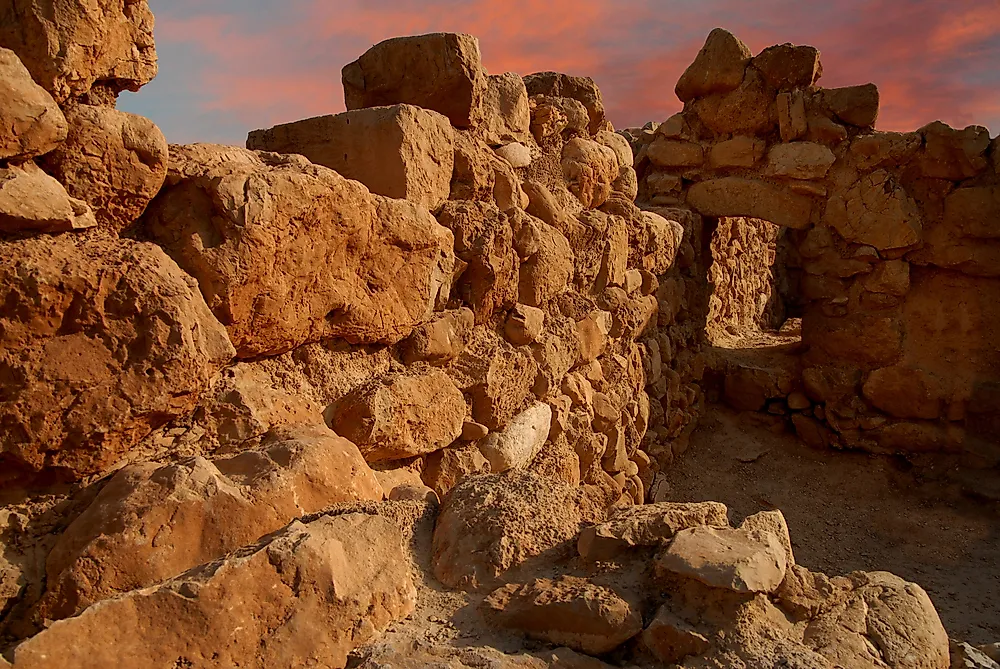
x: 931, y: 60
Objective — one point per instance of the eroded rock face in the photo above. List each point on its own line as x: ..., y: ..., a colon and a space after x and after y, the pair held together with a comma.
x: 150, y: 522
x: 30, y: 121
x: 402, y: 415
x: 114, y: 161
x: 270, y: 604
x: 440, y: 71
x: 71, y: 48
x: 287, y: 252
x: 102, y: 341
x: 491, y: 524
x: 399, y: 151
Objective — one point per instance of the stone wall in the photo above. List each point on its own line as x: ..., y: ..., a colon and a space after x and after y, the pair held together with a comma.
x: 894, y: 239
x: 744, y: 278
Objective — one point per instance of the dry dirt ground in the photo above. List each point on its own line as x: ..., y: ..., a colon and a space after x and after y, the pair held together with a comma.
x: 850, y: 511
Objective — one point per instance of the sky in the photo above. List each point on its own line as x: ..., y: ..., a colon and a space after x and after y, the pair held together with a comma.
x: 230, y: 66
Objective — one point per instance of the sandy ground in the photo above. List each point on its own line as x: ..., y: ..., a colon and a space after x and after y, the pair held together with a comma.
x: 852, y: 511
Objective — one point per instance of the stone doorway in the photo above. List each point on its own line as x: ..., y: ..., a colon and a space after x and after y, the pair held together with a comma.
x: 753, y: 321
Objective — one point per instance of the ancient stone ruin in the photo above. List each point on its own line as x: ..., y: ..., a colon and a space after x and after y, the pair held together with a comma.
x: 414, y: 384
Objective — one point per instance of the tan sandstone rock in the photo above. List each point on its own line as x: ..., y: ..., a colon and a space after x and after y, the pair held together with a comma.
x: 440, y: 71
x: 876, y: 211
x: 953, y: 154
x: 647, y: 525
x: 800, y: 160
x: 589, y: 169
x: 151, y: 522
x: 506, y: 113
x: 104, y: 340
x: 32, y: 201
x: 718, y: 68
x: 401, y: 151
x: 445, y: 468
x: 520, y: 441
x: 114, y: 161
x: 582, y: 89
x: 671, y: 639
x: 72, y: 48
x: 744, y: 560
x: 788, y: 67
x: 734, y: 196
x: 567, y: 611
x: 402, y: 415
x: 307, y: 595
x: 294, y: 253
x: 741, y: 151
x: 489, y: 525
x: 484, y: 241
x: 883, y: 610
x: 854, y: 105
x: 31, y: 122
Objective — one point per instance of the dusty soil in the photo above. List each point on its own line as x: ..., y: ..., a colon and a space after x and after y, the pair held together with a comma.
x: 850, y: 511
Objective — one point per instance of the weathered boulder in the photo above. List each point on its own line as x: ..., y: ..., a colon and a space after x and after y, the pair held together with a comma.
x: 647, y: 525
x: 31, y: 122
x: 401, y: 415
x: 524, y: 325
x: 32, y: 201
x: 567, y: 611
x: 671, y: 639
x: 788, y: 67
x: 496, y: 375
x: 735, y: 196
x: 401, y: 151
x: 582, y: 89
x: 854, y: 105
x: 589, y: 169
x: 440, y: 71
x: 906, y: 392
x: 152, y: 522
x: 506, y: 113
x: 72, y: 49
x: 718, y: 67
x: 740, y: 151
x: 287, y: 252
x: 491, y: 524
x: 307, y: 595
x: 520, y: 441
x: 114, y: 161
x: 750, y: 109
x: 675, y: 153
x: 877, y: 211
x: 618, y: 144
x: 484, y: 241
x: 883, y: 610
x: 439, y: 341
x: 953, y: 154
x: 546, y: 262
x: 744, y: 560
x: 102, y: 341
x: 799, y: 160
x: 516, y: 154
x: 445, y: 468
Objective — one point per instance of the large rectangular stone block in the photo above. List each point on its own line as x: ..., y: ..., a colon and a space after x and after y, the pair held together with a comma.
x: 401, y: 151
